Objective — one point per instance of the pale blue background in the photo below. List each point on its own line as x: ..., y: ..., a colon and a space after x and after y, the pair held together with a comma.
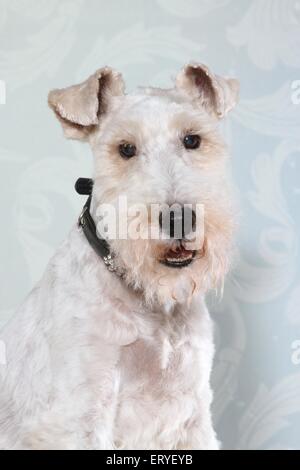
x: 46, y: 44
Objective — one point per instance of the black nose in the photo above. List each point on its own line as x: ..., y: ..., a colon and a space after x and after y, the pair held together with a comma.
x: 177, y: 221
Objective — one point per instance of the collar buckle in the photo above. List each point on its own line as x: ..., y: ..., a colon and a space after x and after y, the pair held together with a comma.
x: 81, y: 221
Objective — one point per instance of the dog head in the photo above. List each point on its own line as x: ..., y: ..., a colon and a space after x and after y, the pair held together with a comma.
x: 155, y: 149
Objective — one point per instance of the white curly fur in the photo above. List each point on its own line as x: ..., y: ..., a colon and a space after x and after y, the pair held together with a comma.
x: 99, y: 362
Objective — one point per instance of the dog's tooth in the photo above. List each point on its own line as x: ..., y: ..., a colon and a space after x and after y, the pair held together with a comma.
x: 178, y: 260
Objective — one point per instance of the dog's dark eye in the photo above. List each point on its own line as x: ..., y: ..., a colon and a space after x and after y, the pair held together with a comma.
x: 127, y: 150
x: 192, y: 141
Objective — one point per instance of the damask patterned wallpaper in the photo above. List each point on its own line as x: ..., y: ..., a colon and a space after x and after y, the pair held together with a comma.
x: 47, y: 44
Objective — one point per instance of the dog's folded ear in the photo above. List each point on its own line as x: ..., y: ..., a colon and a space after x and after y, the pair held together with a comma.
x: 79, y: 107
x: 217, y: 94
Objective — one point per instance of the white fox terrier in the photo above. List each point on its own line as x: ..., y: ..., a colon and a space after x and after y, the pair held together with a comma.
x: 113, y: 348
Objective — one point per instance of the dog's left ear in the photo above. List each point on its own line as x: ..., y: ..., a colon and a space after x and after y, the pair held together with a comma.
x: 79, y: 107
x: 217, y: 94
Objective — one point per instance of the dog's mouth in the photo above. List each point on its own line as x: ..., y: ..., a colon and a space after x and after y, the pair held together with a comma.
x: 178, y: 257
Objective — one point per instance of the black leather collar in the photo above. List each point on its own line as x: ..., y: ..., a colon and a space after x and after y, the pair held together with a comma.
x: 87, y: 224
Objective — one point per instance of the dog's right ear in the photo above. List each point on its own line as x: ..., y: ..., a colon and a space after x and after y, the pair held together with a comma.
x: 79, y: 107
x: 218, y: 95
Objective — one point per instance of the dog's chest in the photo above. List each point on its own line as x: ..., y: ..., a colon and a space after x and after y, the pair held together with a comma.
x: 156, y: 379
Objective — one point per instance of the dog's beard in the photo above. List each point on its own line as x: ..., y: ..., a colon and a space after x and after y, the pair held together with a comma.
x: 160, y: 283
